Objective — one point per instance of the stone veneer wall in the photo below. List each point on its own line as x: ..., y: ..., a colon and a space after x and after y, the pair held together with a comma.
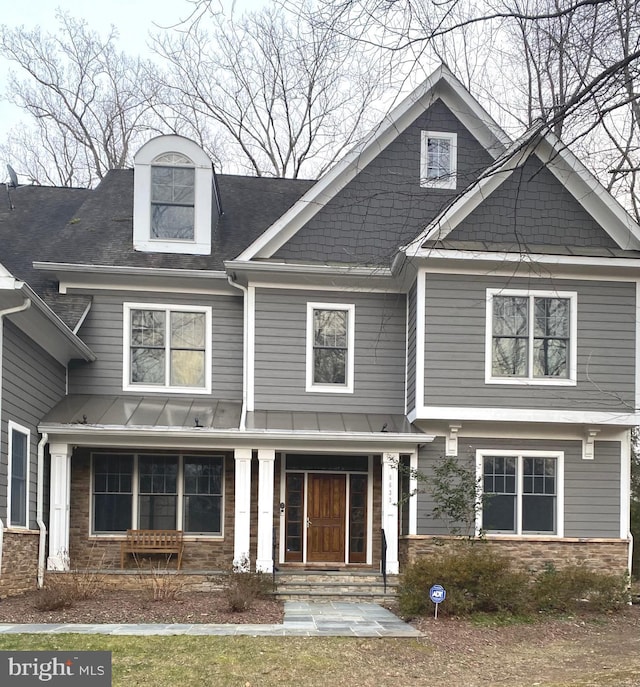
x: 605, y: 555
x: 19, y: 562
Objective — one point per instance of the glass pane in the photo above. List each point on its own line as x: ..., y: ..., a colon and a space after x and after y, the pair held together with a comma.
x: 202, y: 514
x: 112, y: 512
x: 158, y: 474
x: 172, y: 222
x: 552, y: 317
x: 509, y: 357
x: 438, y: 158
x: 538, y: 513
x: 510, y: 315
x: 187, y: 330
x: 172, y: 184
x: 330, y: 328
x: 147, y: 366
x: 19, y: 501
x: 187, y: 368
x: 203, y: 476
x: 499, y: 513
x: 147, y: 328
x: 550, y: 357
x: 157, y: 512
x: 329, y: 366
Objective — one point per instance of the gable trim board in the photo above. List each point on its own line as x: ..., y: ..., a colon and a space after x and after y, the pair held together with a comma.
x: 442, y: 84
x: 569, y: 171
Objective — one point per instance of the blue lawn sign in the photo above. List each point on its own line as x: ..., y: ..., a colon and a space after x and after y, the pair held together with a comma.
x: 437, y: 594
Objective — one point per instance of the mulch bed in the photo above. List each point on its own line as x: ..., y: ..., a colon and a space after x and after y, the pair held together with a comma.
x: 120, y: 606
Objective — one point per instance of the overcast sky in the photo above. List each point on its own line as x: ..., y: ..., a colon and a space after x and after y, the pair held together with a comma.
x: 134, y: 19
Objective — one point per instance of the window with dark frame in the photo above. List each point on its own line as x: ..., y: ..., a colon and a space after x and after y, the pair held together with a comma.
x: 158, y: 482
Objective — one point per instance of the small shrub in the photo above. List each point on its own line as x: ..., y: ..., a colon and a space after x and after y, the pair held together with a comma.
x: 476, y: 579
x: 243, y: 587
x: 162, y: 584
x: 575, y: 586
x: 55, y: 596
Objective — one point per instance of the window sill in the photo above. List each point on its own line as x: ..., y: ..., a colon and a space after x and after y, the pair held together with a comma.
x: 166, y: 390
x: 526, y: 381
x: 329, y: 389
x: 118, y: 536
x: 14, y: 529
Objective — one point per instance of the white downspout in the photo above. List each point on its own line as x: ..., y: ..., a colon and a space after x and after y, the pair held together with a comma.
x: 245, y: 349
x: 3, y: 313
x: 42, y: 539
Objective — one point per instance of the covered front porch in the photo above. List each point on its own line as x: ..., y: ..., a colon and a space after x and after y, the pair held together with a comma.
x: 262, y: 498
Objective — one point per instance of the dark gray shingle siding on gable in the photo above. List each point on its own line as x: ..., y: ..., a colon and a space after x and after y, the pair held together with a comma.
x: 532, y: 207
x: 591, y: 487
x: 455, y: 346
x: 102, y: 230
x: 103, y: 332
x: 32, y: 384
x: 384, y: 206
x: 280, y: 352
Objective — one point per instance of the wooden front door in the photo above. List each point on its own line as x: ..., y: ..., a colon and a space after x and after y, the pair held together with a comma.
x: 326, y: 516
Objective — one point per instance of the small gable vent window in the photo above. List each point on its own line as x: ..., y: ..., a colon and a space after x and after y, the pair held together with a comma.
x: 172, y: 198
x: 438, y: 163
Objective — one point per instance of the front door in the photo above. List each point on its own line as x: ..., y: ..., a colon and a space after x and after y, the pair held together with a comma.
x: 326, y: 518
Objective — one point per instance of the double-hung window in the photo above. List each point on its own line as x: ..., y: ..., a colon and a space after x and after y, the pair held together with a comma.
x: 531, y: 337
x: 18, y: 496
x: 167, y: 348
x: 522, y: 492
x: 438, y: 160
x: 149, y: 491
x: 172, y: 198
x: 330, y: 347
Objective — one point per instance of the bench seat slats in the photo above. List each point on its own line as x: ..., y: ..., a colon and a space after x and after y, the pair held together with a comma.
x: 152, y: 541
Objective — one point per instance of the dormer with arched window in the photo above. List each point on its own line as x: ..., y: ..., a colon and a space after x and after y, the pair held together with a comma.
x: 172, y: 204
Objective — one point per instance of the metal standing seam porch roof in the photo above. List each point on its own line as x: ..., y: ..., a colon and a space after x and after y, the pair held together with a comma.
x: 89, y: 413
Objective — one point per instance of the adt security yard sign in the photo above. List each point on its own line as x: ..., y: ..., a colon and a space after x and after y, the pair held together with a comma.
x: 437, y: 594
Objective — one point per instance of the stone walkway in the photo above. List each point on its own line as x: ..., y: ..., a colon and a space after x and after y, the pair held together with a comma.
x: 301, y: 619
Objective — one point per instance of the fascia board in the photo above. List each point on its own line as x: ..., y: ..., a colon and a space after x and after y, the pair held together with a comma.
x: 440, y: 84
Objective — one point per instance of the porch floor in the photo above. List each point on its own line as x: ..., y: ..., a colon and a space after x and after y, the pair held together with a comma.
x: 301, y: 619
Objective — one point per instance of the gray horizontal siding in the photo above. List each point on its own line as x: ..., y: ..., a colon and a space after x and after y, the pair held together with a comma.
x: 455, y: 346
x: 411, y: 350
x: 102, y: 331
x: 591, y: 487
x: 32, y: 383
x: 280, y: 352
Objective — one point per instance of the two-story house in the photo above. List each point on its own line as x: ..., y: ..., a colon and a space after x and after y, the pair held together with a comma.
x: 248, y: 360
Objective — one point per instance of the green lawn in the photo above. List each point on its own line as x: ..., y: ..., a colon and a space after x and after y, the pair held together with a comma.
x: 607, y: 657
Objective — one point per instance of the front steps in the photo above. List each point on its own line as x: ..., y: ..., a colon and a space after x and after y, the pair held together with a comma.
x: 345, y: 585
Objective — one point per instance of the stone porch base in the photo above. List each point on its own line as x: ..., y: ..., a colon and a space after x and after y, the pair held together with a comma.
x: 533, y: 554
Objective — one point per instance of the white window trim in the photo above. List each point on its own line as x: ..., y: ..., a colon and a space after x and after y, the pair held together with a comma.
x: 11, y: 427
x: 135, y: 493
x: 203, y: 191
x: 529, y: 380
x: 348, y: 387
x: 126, y: 348
x: 558, y: 455
x: 451, y: 180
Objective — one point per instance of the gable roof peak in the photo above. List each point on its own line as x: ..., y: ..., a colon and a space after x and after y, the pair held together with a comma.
x: 440, y: 84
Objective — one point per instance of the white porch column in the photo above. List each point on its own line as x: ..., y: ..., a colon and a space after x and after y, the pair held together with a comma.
x: 266, y: 461
x: 60, y: 502
x: 242, y: 524
x: 390, y: 508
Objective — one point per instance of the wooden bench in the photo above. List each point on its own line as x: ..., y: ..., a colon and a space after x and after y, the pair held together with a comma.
x: 152, y: 541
